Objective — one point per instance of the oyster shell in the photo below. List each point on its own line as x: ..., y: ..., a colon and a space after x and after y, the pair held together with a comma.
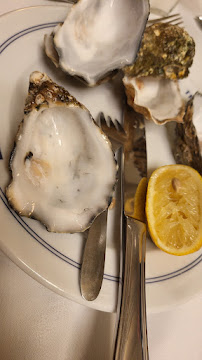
x: 187, y: 147
x: 166, y: 51
x: 151, y: 86
x: 50, y: 48
x: 158, y: 99
x: 63, y: 167
x: 98, y: 37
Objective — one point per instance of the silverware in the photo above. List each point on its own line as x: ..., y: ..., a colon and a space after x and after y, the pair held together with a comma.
x: 66, y: 1
x: 113, y: 129
x: 199, y: 20
x: 175, y: 19
x: 92, y: 269
x: 131, y: 341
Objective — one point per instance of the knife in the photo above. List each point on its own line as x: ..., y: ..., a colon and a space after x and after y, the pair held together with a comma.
x: 131, y: 339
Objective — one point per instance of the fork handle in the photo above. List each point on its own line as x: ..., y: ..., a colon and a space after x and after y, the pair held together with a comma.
x: 131, y: 341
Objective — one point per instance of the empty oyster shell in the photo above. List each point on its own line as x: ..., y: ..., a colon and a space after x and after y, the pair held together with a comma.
x: 166, y: 51
x: 157, y: 99
x: 98, y: 37
x: 187, y: 147
x: 63, y: 167
x: 50, y: 48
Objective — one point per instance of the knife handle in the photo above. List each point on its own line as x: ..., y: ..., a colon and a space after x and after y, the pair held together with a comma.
x: 131, y: 341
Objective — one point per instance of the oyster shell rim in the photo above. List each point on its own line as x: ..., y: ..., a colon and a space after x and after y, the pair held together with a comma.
x: 131, y: 93
x: 182, y: 146
x: 47, y: 103
x: 108, y: 74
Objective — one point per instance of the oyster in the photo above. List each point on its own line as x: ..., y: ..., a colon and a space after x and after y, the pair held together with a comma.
x: 166, y: 51
x: 50, y: 48
x: 165, y: 55
x: 187, y: 147
x: 98, y: 37
x: 63, y: 167
x: 157, y: 99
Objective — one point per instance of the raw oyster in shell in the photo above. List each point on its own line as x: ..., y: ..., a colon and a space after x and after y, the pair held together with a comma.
x: 63, y: 167
x: 166, y: 51
x: 158, y: 99
x: 187, y: 147
x: 98, y: 37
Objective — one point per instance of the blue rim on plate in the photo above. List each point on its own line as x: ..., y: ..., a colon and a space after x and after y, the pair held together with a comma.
x: 33, y: 234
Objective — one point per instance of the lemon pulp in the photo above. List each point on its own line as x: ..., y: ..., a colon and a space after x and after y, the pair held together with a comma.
x: 174, y: 209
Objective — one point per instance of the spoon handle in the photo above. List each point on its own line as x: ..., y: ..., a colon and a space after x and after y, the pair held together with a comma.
x: 92, y: 269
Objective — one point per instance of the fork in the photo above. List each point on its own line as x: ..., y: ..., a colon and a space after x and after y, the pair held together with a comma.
x: 117, y: 134
x: 174, y: 19
x: 66, y: 1
x: 113, y: 129
x: 92, y: 268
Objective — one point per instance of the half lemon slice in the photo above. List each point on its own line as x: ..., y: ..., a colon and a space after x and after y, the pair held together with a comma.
x: 174, y: 209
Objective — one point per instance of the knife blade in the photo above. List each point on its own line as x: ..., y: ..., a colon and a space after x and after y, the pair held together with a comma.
x: 131, y: 340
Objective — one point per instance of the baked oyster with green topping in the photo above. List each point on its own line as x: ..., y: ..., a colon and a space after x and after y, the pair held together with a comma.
x: 63, y: 167
x: 166, y: 51
x: 151, y: 83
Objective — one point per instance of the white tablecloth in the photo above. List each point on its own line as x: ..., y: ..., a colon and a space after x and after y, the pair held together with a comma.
x: 37, y: 324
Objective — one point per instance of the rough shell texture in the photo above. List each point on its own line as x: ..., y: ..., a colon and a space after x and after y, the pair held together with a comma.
x: 187, y: 149
x: 63, y: 167
x: 43, y: 91
x: 166, y: 51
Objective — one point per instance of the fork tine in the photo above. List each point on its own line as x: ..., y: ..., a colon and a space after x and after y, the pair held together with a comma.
x: 171, y: 19
x: 163, y: 18
x: 179, y: 23
x: 113, y: 129
x: 118, y: 126
x: 114, y: 125
x: 101, y: 120
x: 111, y: 123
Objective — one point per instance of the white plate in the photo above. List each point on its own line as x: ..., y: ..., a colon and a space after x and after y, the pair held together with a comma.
x: 54, y: 259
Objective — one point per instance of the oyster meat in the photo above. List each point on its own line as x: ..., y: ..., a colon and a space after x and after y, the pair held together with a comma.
x: 63, y: 167
x: 187, y: 147
x: 98, y: 37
